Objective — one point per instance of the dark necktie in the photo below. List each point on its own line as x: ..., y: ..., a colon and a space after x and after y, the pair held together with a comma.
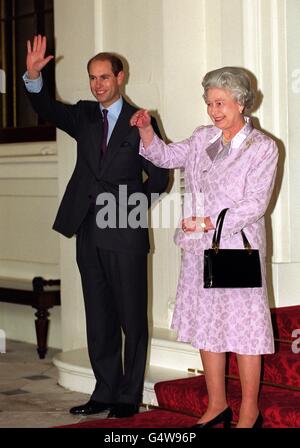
x: 104, y: 131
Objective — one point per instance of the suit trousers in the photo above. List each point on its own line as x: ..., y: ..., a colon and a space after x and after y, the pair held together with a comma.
x: 115, y: 296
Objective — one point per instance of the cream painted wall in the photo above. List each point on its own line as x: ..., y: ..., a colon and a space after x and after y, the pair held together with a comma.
x: 287, y: 273
x: 170, y: 45
x: 293, y: 74
x: 75, y: 42
x: 28, y: 247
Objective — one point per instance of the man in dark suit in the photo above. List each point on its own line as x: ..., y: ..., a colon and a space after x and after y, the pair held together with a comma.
x: 112, y: 259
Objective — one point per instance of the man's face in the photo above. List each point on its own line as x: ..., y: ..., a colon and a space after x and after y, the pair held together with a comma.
x: 105, y: 86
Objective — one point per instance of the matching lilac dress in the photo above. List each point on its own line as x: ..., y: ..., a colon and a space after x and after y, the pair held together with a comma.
x: 239, y: 176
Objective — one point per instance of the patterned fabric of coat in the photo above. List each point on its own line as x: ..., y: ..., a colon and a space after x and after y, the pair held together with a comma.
x: 239, y: 177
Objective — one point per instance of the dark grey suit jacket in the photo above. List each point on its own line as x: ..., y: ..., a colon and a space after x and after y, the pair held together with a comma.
x: 122, y: 165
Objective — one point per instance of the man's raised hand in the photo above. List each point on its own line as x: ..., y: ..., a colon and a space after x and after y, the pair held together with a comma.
x: 36, y: 60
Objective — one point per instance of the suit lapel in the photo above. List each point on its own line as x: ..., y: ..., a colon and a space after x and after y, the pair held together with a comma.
x: 96, y: 135
x: 251, y: 132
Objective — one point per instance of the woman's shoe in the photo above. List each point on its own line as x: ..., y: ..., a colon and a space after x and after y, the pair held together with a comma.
x: 259, y: 421
x: 224, y: 417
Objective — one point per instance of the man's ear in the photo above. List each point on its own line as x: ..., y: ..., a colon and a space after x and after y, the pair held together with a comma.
x: 120, y: 77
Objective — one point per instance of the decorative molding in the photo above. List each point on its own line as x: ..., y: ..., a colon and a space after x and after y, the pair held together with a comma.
x: 264, y: 21
x: 98, y: 25
x: 45, y: 151
x: 252, y: 36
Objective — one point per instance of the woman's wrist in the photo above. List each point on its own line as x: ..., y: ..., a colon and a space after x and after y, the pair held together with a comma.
x: 147, y: 135
x: 197, y: 224
x: 208, y: 225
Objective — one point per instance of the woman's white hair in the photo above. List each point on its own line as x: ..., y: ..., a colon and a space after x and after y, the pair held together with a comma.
x: 234, y: 79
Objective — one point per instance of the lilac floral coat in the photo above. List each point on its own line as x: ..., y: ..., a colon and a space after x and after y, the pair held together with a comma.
x: 239, y: 177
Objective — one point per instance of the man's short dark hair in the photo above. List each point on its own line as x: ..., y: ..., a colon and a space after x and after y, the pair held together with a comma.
x: 116, y: 63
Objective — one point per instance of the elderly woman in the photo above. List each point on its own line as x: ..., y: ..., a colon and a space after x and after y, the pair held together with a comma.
x: 233, y: 165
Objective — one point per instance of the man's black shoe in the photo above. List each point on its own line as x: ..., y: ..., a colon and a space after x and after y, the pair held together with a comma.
x: 122, y: 410
x: 90, y: 408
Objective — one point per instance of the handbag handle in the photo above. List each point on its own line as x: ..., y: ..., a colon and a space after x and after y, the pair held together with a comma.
x: 218, y: 230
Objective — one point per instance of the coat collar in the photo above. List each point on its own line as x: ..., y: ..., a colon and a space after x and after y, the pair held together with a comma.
x: 215, y: 142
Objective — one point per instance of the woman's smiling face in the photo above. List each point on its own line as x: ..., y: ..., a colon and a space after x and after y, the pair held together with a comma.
x: 224, y: 111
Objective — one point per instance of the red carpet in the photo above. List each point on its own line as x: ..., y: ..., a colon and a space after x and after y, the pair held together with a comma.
x: 185, y: 398
x: 285, y: 320
x: 279, y: 400
x: 280, y: 407
x: 281, y: 368
x: 151, y: 419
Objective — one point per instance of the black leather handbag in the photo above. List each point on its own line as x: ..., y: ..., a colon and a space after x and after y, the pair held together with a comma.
x: 231, y: 268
